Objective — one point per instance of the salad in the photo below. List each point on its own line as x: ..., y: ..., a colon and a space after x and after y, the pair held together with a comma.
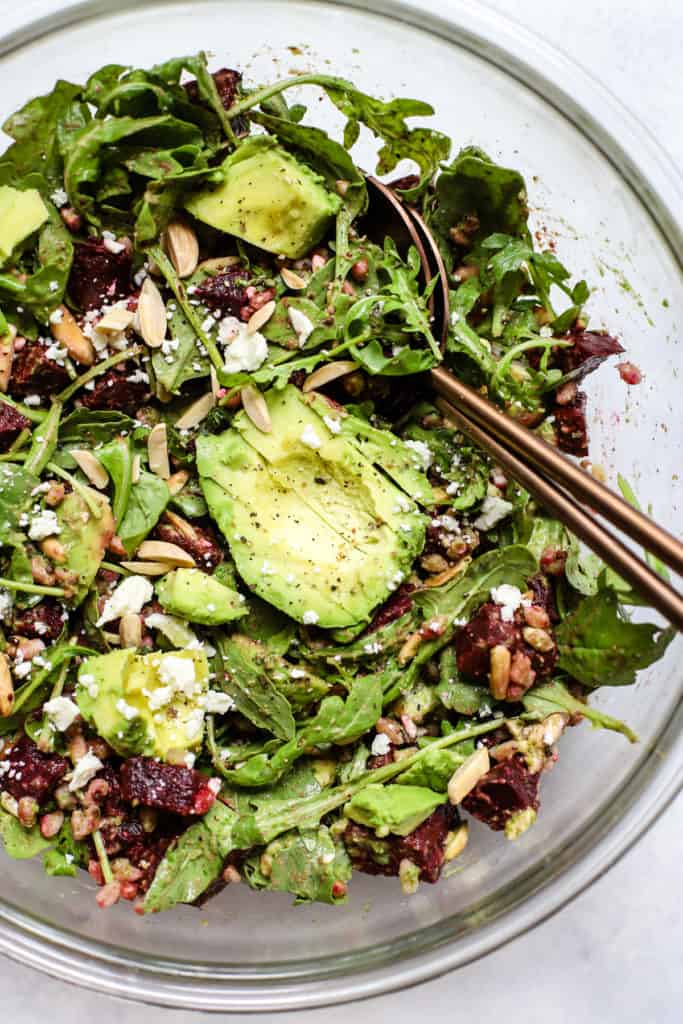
x: 266, y: 616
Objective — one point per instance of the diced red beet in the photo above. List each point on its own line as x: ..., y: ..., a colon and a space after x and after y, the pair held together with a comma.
x: 224, y: 292
x: 44, y: 621
x: 113, y: 390
x: 424, y: 847
x: 629, y: 373
x: 228, y: 84
x: 12, y: 422
x: 544, y: 595
x: 99, y: 276
x: 485, y: 630
x: 27, y: 771
x: 393, y: 608
x: 504, y: 791
x: 571, y: 426
x: 169, y: 787
x: 407, y: 181
x: 589, y: 350
x: 34, y: 373
x: 197, y: 541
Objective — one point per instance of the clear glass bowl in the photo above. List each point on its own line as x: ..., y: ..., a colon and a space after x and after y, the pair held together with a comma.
x: 602, y: 190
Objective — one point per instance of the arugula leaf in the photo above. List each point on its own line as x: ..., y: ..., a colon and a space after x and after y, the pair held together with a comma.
x: 16, y: 485
x: 601, y: 648
x: 67, y: 854
x: 185, y: 363
x: 247, y: 679
x: 146, y: 504
x: 308, y: 863
x: 453, y: 692
x: 545, y: 700
x: 117, y: 459
x: 93, y: 427
x: 35, y: 131
x: 20, y: 843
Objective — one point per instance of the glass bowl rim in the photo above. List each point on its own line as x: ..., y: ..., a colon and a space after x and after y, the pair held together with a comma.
x: 653, y: 782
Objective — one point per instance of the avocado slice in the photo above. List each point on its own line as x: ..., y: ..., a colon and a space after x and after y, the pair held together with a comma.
x: 21, y: 213
x: 135, y: 701
x: 395, y: 809
x: 84, y: 537
x: 191, y: 594
x: 269, y: 199
x: 318, y: 531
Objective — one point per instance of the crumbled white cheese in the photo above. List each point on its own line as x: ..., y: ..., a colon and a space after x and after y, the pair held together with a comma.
x: 53, y: 286
x: 243, y: 351
x: 373, y: 647
x: 62, y: 712
x: 59, y: 197
x: 218, y: 703
x: 110, y: 243
x: 127, y: 599
x: 492, y: 511
x: 303, y: 328
x: 509, y: 598
x: 88, y: 680
x: 87, y: 767
x: 127, y: 710
x: 448, y: 523
x: 22, y: 669
x: 332, y: 424
x: 310, y: 618
x: 56, y: 316
x: 380, y: 745
x: 309, y: 437
x: 45, y: 524
x: 6, y: 603
x: 194, y: 724
x: 423, y: 452
x: 189, y: 759
x: 298, y: 673
x: 179, y: 673
x: 160, y: 697
x: 453, y: 487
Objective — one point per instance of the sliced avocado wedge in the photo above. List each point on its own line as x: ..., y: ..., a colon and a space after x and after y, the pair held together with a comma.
x: 83, y: 537
x: 145, y: 703
x: 21, y: 213
x: 191, y: 594
x: 268, y: 199
x: 395, y: 809
x: 314, y: 527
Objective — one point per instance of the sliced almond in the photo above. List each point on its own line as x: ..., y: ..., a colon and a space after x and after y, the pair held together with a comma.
x: 152, y: 314
x: 327, y: 373
x: 147, y: 568
x: 177, y: 481
x: 67, y: 332
x: 163, y: 551
x: 157, y: 451
x: 130, y: 630
x: 261, y: 317
x: 6, y: 688
x: 293, y: 280
x: 91, y: 466
x: 135, y: 473
x: 196, y: 412
x: 500, y: 661
x: 410, y: 648
x: 215, y: 383
x: 448, y: 574
x: 6, y: 357
x: 456, y: 842
x: 219, y: 263
x: 116, y: 320
x: 255, y: 406
x: 464, y: 779
x: 182, y: 246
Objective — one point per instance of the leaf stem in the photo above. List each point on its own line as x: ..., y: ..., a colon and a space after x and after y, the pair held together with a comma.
x: 44, y: 441
x: 257, y: 97
x: 96, y: 371
x: 84, y: 493
x: 107, y: 873
x: 178, y: 289
x: 30, y: 588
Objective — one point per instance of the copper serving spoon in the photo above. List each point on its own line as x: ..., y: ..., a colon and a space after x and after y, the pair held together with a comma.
x: 550, y: 476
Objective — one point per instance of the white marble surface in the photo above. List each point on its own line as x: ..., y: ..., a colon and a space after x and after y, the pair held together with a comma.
x: 615, y: 953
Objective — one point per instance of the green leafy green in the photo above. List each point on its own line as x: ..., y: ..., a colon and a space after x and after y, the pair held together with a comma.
x: 20, y: 843
x: 147, y: 501
x: 247, y: 678
x: 309, y: 863
x: 552, y: 697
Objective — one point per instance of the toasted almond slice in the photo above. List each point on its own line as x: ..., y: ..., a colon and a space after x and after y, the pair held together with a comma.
x: 196, y: 412
x: 163, y: 551
x: 147, y: 568
x: 7, y: 357
x: 254, y: 405
x: 464, y: 779
x: 292, y: 279
x: 152, y: 314
x: 135, y: 474
x: 6, y: 688
x: 177, y: 481
x: 91, y: 466
x: 329, y: 372
x: 448, y: 574
x: 182, y: 246
x: 261, y: 317
x: 67, y: 332
x: 456, y: 842
x: 116, y: 320
x: 130, y: 630
x: 410, y: 648
x: 157, y: 451
x: 218, y: 263
x: 215, y: 383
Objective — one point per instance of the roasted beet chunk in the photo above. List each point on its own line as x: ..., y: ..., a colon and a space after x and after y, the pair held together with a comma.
x: 397, y: 605
x: 45, y: 621
x: 12, y: 422
x: 114, y: 390
x: 474, y: 641
x: 99, y: 276
x: 224, y: 293
x: 571, y: 426
x: 424, y: 847
x: 169, y: 787
x: 196, y: 540
x: 34, y: 373
x: 228, y: 84
x: 27, y: 771
x: 503, y: 792
x: 589, y: 350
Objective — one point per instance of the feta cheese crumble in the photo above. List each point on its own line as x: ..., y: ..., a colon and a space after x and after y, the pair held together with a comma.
x: 309, y: 437
x: 218, y: 703
x: 59, y: 197
x: 127, y: 599
x: 380, y: 745
x: 422, y: 451
x: 86, y: 768
x: 509, y: 598
x: 492, y: 511
x: 332, y: 424
x: 310, y: 618
x: 127, y: 710
x: 243, y: 351
x: 178, y: 673
x: 303, y: 327
x: 62, y: 712
x: 45, y: 524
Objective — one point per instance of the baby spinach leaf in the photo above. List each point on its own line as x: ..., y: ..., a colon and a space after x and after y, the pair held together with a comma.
x: 16, y: 485
x: 248, y: 679
x: 93, y: 427
x: 546, y: 700
x: 453, y: 692
x: 308, y: 863
x: 599, y: 647
x: 146, y: 503
x: 35, y: 131
x: 184, y: 362
x: 20, y: 843
x: 117, y: 459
